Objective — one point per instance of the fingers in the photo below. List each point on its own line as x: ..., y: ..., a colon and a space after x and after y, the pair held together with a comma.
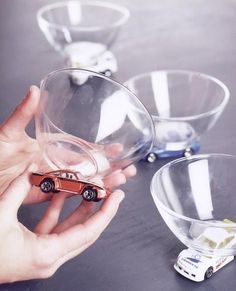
x: 51, y: 215
x: 83, y: 235
x: 119, y: 177
x: 37, y: 196
x: 80, y: 215
x: 15, y: 125
x: 130, y: 171
x: 114, y: 180
x: 14, y: 195
x: 113, y: 150
x: 55, y: 249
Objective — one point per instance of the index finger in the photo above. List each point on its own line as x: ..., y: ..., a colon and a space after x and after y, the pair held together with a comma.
x: 85, y: 234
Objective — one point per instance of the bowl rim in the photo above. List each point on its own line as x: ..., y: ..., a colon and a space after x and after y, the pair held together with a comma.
x: 213, y: 111
x: 125, y: 14
x: 181, y: 216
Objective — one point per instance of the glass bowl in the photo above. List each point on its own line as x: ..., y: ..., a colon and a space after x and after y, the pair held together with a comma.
x: 183, y: 104
x: 91, y: 124
x: 196, y: 198
x: 83, y: 31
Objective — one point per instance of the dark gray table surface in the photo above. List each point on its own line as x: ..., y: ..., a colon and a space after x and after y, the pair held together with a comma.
x: 137, y: 251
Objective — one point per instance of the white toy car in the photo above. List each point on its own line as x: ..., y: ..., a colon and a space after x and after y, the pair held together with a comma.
x: 92, y: 56
x: 197, y: 267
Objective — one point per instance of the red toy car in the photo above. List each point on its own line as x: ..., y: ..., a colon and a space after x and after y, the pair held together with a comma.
x: 68, y: 181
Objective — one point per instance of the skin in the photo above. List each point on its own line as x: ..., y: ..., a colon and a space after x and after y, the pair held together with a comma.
x: 41, y: 252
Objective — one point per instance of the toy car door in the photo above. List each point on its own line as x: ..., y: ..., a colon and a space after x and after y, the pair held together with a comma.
x: 68, y: 182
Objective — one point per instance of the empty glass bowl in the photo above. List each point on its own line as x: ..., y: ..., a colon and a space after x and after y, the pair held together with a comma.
x: 83, y: 31
x: 91, y: 124
x: 196, y: 198
x: 183, y: 104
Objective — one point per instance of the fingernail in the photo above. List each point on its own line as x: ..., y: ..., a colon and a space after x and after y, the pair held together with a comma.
x: 123, y: 179
x: 119, y: 178
x: 33, y: 88
x: 30, y: 92
x: 120, y: 195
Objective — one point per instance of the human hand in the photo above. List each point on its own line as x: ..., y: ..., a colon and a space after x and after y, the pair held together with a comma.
x: 18, y: 150
x: 40, y: 253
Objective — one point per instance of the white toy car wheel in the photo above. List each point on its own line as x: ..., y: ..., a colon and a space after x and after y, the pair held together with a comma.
x: 209, y: 273
x: 151, y: 157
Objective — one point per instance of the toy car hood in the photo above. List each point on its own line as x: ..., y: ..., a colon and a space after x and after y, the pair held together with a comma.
x: 193, y: 260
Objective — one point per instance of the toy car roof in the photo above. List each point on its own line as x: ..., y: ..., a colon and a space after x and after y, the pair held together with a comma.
x: 58, y: 172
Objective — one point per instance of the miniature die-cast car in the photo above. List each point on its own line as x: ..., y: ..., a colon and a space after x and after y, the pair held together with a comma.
x: 196, y: 266
x: 157, y: 153
x: 92, y: 56
x: 105, y: 64
x: 68, y: 181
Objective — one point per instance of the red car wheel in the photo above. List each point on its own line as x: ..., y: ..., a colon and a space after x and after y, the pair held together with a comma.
x: 47, y: 185
x: 89, y: 194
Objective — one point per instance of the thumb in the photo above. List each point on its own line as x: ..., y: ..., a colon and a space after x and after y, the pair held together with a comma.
x: 15, y: 125
x: 18, y: 189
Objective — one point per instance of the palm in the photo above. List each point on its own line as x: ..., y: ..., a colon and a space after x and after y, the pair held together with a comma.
x: 16, y: 154
x: 18, y: 150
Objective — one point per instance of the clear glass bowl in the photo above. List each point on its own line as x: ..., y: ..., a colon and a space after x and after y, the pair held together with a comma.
x: 196, y: 198
x: 183, y: 104
x: 83, y: 31
x: 89, y: 123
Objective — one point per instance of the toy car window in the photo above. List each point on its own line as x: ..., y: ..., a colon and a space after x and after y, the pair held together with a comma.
x: 71, y: 176
x: 64, y: 175
x: 208, y: 242
x: 68, y: 175
x: 225, y: 242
